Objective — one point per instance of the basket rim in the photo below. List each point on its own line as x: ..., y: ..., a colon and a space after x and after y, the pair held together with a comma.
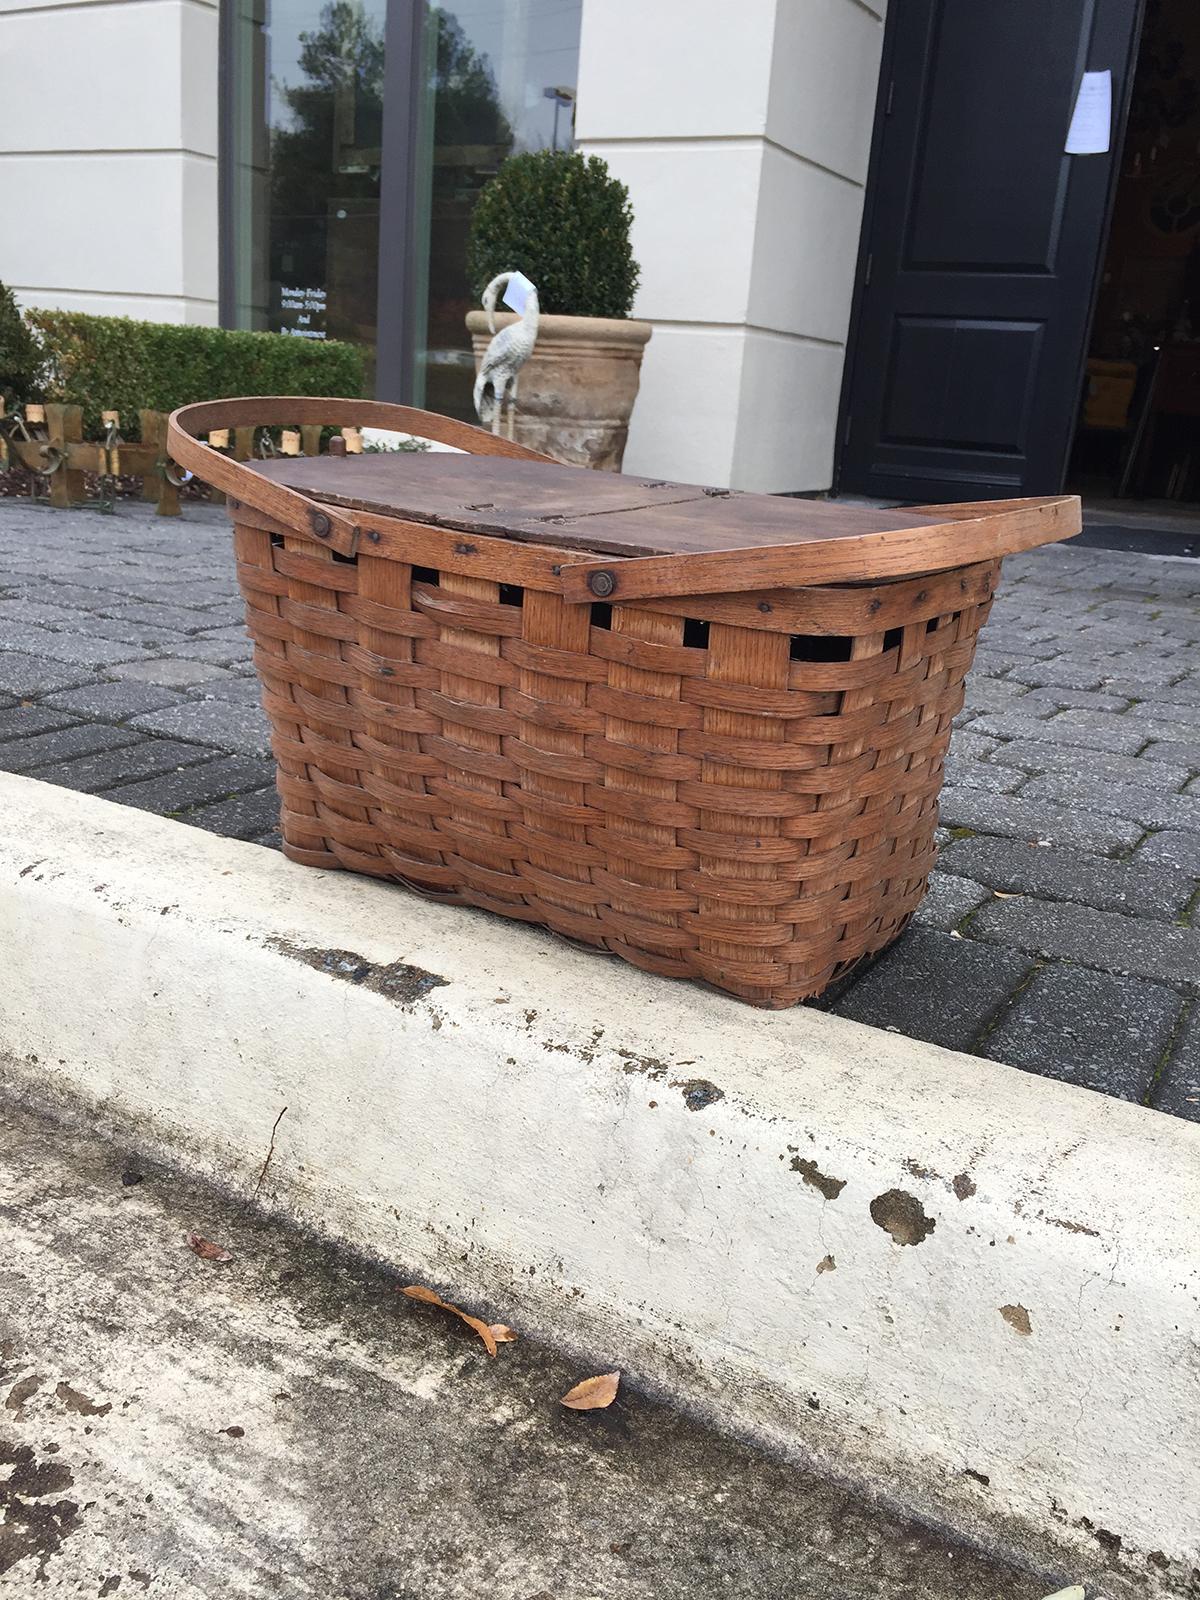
x: 810, y: 543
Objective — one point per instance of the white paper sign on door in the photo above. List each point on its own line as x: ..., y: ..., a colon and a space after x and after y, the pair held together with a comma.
x: 1091, y: 125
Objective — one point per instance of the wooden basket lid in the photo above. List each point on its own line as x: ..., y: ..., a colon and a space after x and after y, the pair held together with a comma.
x: 544, y: 503
x: 684, y: 539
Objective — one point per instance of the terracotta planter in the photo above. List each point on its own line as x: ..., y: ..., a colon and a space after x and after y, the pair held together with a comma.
x: 576, y: 392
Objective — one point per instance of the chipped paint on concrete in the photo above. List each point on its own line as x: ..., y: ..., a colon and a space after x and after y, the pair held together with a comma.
x: 516, y: 1143
x: 697, y: 1093
x: 903, y: 1216
x: 37, y: 1516
x: 1017, y: 1318
x: 397, y: 981
x: 816, y: 1179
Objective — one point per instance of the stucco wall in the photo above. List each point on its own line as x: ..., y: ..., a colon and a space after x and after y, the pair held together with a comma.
x: 108, y: 156
x: 743, y: 135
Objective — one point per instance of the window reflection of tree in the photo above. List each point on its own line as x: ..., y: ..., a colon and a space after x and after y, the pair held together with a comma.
x: 471, y: 137
x: 324, y: 176
x: 467, y: 106
x: 325, y: 154
x: 326, y: 144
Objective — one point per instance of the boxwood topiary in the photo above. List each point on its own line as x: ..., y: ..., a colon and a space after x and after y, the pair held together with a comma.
x: 563, y: 220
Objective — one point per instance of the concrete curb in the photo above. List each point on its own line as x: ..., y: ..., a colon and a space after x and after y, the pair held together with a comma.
x: 972, y: 1291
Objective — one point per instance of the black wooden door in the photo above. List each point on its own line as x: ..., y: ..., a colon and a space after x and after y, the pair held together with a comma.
x: 981, y: 245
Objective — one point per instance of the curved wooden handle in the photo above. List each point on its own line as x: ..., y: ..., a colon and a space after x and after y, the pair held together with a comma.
x: 967, y: 533
x: 329, y: 525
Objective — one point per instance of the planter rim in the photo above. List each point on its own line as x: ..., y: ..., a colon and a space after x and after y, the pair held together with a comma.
x: 588, y: 330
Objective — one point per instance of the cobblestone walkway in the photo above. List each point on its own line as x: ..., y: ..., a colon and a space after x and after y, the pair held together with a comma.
x: 1061, y: 934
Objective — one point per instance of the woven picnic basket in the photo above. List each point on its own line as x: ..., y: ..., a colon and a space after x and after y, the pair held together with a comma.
x: 702, y: 731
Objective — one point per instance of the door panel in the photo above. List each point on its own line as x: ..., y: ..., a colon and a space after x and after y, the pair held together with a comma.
x: 980, y: 248
x: 982, y: 78
x: 931, y: 390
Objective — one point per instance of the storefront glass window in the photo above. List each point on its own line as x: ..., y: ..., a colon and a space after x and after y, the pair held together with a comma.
x: 309, y: 134
x: 500, y: 79
x: 304, y: 131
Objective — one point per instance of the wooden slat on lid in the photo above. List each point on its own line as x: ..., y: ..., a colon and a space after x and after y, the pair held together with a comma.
x: 726, y: 522
x: 543, y: 503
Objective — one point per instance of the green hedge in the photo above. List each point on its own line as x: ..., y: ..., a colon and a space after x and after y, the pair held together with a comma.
x: 22, y: 358
x: 117, y: 364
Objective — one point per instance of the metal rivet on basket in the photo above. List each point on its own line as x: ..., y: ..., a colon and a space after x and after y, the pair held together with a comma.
x: 320, y: 524
x: 602, y: 583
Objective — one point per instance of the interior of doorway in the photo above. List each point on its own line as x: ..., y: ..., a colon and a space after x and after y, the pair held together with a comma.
x: 1136, y: 453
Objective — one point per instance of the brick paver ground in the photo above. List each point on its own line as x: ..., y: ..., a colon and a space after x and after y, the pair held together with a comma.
x: 1061, y: 932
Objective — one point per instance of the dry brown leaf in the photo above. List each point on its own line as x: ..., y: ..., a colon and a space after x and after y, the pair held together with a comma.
x: 501, y: 1334
x: 480, y: 1327
x: 425, y: 1296
x: 593, y: 1394
x: 999, y: 894
x: 206, y: 1250
x: 417, y: 1291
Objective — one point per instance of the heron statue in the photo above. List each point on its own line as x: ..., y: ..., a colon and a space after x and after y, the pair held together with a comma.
x: 509, y: 350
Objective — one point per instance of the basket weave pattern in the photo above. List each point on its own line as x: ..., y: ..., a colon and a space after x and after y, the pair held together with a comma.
x: 741, y: 789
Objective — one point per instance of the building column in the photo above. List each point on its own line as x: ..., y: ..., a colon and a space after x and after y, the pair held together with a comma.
x: 108, y: 157
x: 743, y: 134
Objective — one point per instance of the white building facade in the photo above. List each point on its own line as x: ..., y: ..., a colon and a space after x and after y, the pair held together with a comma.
x: 108, y: 156
x: 137, y: 182
x: 743, y: 133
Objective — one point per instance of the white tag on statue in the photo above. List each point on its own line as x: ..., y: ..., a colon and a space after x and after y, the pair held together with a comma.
x: 1091, y: 125
x: 518, y: 292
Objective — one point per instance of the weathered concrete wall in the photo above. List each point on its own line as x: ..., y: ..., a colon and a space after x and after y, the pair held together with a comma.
x: 285, y: 1424
x: 973, y: 1290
